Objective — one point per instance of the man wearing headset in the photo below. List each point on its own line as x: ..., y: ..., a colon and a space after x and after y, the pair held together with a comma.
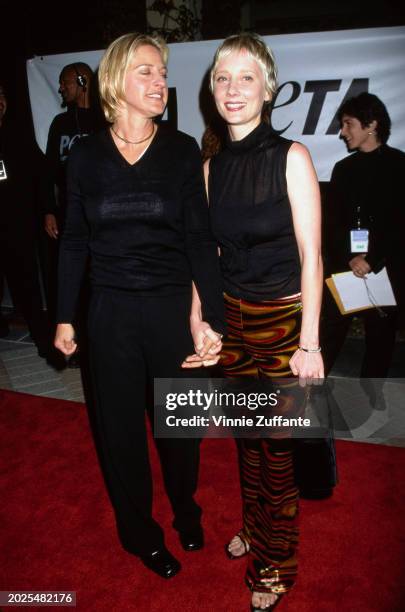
x: 78, y: 121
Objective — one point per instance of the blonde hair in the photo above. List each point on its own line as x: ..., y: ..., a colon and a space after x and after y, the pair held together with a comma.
x: 256, y: 49
x: 114, y: 65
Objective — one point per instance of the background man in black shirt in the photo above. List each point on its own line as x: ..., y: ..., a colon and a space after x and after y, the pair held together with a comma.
x: 66, y: 128
x: 76, y: 122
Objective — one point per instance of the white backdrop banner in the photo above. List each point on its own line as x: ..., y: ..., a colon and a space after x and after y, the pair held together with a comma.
x: 317, y: 71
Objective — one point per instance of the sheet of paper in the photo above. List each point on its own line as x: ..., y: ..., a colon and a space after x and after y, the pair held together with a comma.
x: 353, y: 290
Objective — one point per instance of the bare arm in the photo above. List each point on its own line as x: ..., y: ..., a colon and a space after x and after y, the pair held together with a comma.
x: 196, y: 313
x: 200, y: 245
x: 207, y: 343
x: 303, y: 191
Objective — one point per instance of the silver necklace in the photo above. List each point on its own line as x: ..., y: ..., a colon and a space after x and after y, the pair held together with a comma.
x: 133, y: 142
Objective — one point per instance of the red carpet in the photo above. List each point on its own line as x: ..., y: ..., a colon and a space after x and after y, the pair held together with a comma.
x: 58, y: 533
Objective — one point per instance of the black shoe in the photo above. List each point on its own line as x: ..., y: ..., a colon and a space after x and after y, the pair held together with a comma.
x: 162, y: 563
x: 378, y: 402
x: 192, y: 539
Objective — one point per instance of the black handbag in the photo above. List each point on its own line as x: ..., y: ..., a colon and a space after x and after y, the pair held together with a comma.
x: 315, y: 466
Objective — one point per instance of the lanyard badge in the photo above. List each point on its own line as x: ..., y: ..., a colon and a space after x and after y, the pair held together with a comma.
x: 359, y: 241
x: 359, y: 237
x: 3, y: 173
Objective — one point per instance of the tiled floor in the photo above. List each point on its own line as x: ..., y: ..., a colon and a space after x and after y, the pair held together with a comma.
x: 21, y: 369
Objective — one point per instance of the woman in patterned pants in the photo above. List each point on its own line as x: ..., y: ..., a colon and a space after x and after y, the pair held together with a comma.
x: 265, y: 214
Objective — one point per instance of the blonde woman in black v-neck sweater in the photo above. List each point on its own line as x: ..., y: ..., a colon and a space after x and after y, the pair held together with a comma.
x: 137, y: 208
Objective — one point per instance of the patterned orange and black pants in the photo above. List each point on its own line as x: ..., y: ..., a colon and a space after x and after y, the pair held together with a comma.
x: 262, y: 337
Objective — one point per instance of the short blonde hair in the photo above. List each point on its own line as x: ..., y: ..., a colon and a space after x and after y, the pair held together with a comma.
x: 256, y: 49
x: 114, y: 65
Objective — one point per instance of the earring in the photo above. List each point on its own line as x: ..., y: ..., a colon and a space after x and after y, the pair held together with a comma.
x: 371, y: 133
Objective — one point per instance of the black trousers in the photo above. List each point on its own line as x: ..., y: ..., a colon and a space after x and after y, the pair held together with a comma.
x: 18, y: 265
x: 132, y: 340
x: 379, y: 337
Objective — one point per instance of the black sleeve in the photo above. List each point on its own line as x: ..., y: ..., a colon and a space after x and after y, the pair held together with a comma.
x: 73, y: 250
x: 379, y: 241
x: 50, y: 171
x: 388, y: 218
x: 337, y: 243
x: 200, y: 244
x: 386, y: 221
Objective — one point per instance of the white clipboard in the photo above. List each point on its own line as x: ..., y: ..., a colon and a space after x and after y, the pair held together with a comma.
x: 353, y: 294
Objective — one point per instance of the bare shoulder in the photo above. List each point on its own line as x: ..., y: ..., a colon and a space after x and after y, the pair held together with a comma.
x: 298, y: 152
x: 299, y: 159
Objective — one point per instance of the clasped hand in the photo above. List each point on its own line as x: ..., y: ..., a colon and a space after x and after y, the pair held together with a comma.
x: 207, y: 345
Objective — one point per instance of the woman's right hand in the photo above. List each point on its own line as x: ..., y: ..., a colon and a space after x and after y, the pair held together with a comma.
x: 65, y: 338
x: 308, y: 367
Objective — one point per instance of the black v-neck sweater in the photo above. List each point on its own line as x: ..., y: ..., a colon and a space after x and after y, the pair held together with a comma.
x: 145, y: 226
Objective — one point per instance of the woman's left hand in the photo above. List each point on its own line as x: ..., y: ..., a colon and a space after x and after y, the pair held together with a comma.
x: 308, y: 366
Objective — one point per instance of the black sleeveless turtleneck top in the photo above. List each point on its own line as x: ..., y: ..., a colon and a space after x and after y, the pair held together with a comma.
x: 251, y: 217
